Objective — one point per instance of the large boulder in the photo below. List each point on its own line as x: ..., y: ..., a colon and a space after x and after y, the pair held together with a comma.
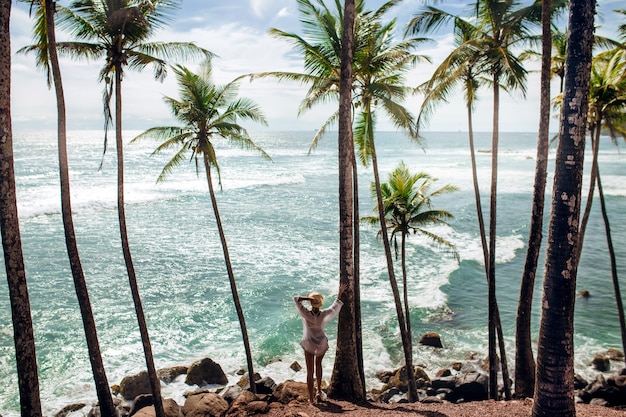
x: 205, y: 404
x: 247, y: 404
x: 471, y: 386
x: 205, y: 372
x: 172, y: 409
x: 431, y: 339
x: 289, y: 391
x: 134, y: 385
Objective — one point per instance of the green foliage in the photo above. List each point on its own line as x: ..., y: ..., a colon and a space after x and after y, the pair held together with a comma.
x: 407, y: 204
x: 206, y: 111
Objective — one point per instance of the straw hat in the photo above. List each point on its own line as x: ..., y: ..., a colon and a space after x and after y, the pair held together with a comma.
x: 318, y: 299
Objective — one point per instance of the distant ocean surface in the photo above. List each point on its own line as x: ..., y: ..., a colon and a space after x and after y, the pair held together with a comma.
x: 281, y: 223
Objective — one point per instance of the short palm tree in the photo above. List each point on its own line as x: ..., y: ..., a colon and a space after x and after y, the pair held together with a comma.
x: 208, y: 111
x: 119, y: 31
x: 407, y: 202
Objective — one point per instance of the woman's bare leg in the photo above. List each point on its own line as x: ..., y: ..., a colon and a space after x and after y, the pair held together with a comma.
x: 318, y: 374
x: 310, y: 367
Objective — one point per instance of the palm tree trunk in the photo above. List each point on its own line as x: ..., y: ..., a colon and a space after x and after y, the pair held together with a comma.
x: 23, y: 336
x: 408, y: 354
x: 524, y: 359
x: 407, y: 311
x: 595, y: 146
x: 155, y: 383
x: 491, y: 282
x: 356, y: 267
x: 609, y: 241
x: 101, y: 382
x: 347, y: 377
x: 231, y: 276
x: 554, y: 385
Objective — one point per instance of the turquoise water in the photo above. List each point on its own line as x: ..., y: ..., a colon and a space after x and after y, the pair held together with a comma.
x: 281, y: 224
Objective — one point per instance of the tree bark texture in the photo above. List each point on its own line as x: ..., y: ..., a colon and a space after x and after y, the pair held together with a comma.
x: 23, y: 336
x: 347, y: 381
x: 524, y: 357
x: 554, y: 385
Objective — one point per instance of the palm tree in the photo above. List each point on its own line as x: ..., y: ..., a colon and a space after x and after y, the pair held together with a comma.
x: 379, y: 65
x: 607, y: 112
x: 408, y: 209
x: 208, y: 111
x: 119, y: 30
x: 47, y: 58
x: 524, y: 358
x: 23, y: 336
x: 554, y: 386
x: 348, y: 379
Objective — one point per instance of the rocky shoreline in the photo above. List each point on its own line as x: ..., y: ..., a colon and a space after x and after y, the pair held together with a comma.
x: 461, y: 383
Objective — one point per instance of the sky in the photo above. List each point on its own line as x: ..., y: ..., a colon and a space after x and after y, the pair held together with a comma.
x: 237, y: 32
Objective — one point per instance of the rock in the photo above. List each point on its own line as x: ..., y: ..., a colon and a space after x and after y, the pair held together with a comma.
x: 615, y: 354
x: 247, y: 404
x: 206, y: 404
x: 134, y: 385
x: 296, y: 366
x: 599, y: 401
x: 69, y: 409
x: 485, y: 364
x: 231, y: 393
x: 471, y: 386
x: 400, y: 381
x: 265, y: 385
x: 172, y: 409
x: 384, y: 376
x: 205, y: 372
x: 169, y: 374
x: 432, y: 400
x: 579, y: 382
x: 431, y: 339
x: 443, y: 372
x: 584, y: 294
x: 601, y: 362
x: 457, y: 366
x: 140, y: 401
x: 289, y: 391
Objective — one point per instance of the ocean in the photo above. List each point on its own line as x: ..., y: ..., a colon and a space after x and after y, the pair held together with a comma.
x: 281, y: 224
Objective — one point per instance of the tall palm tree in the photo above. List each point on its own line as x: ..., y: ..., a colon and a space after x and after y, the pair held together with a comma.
x: 208, y: 111
x: 554, y: 386
x: 524, y: 357
x: 23, y: 336
x: 119, y: 30
x: 347, y: 380
x: 607, y: 112
x: 379, y: 65
x: 47, y: 58
x: 408, y: 209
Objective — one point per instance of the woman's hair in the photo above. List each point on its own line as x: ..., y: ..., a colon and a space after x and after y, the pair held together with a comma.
x: 318, y: 299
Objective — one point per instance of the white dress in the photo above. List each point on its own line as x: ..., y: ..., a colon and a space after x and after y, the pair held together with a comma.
x: 314, y: 340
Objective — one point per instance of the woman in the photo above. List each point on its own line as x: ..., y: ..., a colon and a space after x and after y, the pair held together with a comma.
x: 314, y: 340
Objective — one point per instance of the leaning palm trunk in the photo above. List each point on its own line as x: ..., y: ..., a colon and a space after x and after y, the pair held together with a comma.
x: 231, y: 275
x: 102, y: 386
x: 524, y: 359
x: 347, y: 380
x: 609, y: 241
x: 406, y: 343
x: 554, y: 386
x: 595, y: 146
x: 407, y: 311
x: 23, y: 336
x: 155, y: 383
x: 495, y: 327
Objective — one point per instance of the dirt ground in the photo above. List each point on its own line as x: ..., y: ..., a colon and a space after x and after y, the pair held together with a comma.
x: 522, y: 408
